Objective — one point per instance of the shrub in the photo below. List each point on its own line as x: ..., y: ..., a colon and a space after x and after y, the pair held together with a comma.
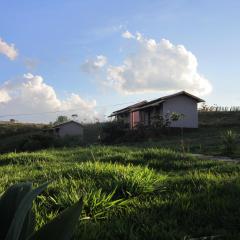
x: 112, y: 131
x: 160, y: 121
x: 229, y: 140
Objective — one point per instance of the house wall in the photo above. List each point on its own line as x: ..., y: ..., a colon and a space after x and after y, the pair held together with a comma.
x: 126, y: 118
x: 144, y: 117
x: 185, y: 105
x: 70, y: 129
x: 148, y: 114
x: 180, y: 104
x: 123, y: 117
x: 141, y: 116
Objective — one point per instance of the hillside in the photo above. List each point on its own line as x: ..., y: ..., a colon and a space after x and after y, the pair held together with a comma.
x: 132, y: 193
x: 8, y: 129
x: 219, y: 119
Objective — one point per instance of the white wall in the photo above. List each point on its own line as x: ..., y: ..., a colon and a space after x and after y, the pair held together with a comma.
x: 70, y: 129
x: 185, y: 105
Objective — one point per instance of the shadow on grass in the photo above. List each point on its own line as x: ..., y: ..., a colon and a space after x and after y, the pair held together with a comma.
x: 210, y: 212
x: 159, y: 160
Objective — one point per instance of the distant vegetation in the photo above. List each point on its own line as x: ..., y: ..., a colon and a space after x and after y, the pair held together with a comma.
x: 31, y: 137
x: 10, y: 129
x: 219, y: 119
x: 61, y: 119
x: 206, y: 139
x: 215, y: 108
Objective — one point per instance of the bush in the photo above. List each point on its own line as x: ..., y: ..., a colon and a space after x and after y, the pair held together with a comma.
x: 38, y: 141
x: 229, y: 140
x: 113, y: 131
x: 93, y: 132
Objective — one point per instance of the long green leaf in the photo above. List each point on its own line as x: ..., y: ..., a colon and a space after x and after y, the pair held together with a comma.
x: 9, y: 203
x: 61, y: 227
x: 28, y: 225
x: 21, y: 213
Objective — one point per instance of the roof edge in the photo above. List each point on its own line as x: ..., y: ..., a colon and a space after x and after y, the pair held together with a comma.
x: 66, y: 123
x: 185, y: 93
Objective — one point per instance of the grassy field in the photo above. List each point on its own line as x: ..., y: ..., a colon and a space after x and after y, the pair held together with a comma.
x: 205, y: 140
x: 132, y: 192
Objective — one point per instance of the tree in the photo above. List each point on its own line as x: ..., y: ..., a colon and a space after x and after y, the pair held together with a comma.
x: 160, y: 121
x: 61, y: 119
x: 74, y: 116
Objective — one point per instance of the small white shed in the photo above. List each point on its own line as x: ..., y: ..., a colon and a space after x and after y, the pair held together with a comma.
x: 69, y: 128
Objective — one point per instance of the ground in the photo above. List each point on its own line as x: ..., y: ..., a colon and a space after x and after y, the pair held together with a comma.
x: 132, y: 192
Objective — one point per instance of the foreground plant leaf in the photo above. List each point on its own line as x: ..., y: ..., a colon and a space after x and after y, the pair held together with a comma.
x: 61, y: 227
x: 9, y: 203
x: 22, y: 212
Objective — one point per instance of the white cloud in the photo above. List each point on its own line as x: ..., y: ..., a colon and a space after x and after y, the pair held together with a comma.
x: 127, y: 35
x: 4, y: 97
x: 94, y: 65
x: 158, y: 66
x: 8, y: 50
x: 30, y: 94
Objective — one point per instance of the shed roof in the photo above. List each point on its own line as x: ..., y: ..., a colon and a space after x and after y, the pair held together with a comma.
x: 67, y: 122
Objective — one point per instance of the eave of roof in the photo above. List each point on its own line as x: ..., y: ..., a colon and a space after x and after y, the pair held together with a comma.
x: 183, y: 93
x: 60, y: 124
x: 148, y: 105
x: 128, y: 109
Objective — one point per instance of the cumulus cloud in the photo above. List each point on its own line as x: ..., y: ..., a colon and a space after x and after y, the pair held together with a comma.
x: 30, y: 94
x: 127, y: 35
x: 157, y: 66
x: 8, y: 50
x: 94, y: 65
x: 4, y: 97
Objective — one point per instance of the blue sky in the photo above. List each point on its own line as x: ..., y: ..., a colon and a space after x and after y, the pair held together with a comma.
x: 54, y: 39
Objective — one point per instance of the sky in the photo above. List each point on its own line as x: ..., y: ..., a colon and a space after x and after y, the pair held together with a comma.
x: 92, y: 57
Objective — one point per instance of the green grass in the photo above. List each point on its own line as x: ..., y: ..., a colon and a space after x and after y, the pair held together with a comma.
x: 219, y: 119
x: 205, y: 140
x: 131, y: 192
x: 8, y: 129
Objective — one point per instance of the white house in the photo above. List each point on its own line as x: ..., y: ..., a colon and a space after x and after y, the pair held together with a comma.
x: 143, y: 112
x: 69, y: 128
